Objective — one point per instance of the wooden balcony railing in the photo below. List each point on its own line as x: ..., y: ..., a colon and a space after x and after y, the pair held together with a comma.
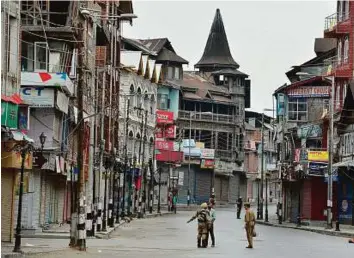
x: 209, y: 117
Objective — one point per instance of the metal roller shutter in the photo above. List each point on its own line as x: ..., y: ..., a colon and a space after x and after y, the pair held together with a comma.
x: 7, y: 200
x: 203, y: 183
x: 217, y: 188
x: 224, y: 190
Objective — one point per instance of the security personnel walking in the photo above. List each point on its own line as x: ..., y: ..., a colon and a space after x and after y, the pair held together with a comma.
x: 204, y: 222
x: 250, y: 221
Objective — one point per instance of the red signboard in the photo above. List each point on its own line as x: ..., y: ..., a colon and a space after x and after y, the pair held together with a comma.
x: 168, y: 131
x: 164, y: 117
x: 207, y: 163
x: 169, y: 156
x: 164, y: 145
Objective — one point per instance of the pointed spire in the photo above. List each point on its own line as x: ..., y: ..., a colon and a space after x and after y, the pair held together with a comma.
x: 217, y: 52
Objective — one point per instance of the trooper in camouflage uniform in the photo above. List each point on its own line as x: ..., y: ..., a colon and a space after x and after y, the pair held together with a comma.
x: 204, y: 222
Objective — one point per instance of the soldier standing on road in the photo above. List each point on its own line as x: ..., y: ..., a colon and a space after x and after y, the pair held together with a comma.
x: 204, y: 221
x: 239, y: 207
x: 250, y: 221
x: 211, y: 229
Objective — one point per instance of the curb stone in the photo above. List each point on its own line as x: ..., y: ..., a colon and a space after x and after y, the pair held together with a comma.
x: 10, y: 255
x: 314, y: 230
x: 107, y: 235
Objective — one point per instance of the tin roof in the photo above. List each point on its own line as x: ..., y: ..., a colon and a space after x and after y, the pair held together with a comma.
x: 217, y: 52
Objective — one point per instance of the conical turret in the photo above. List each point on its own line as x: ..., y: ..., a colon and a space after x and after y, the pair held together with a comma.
x: 217, y: 52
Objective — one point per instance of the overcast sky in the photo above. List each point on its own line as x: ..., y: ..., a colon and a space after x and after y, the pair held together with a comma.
x: 265, y: 37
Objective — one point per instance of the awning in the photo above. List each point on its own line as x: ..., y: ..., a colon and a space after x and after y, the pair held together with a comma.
x: 19, y: 136
x: 348, y: 163
x: 15, y: 98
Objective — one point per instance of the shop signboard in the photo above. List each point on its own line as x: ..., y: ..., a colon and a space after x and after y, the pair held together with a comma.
x: 164, y: 117
x: 9, y: 114
x: 309, y: 92
x: 207, y: 153
x: 317, y: 168
x: 38, y: 97
x: 207, y: 164
x: 317, y: 156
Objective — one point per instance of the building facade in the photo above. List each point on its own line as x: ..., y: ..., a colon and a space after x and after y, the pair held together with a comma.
x: 211, y: 110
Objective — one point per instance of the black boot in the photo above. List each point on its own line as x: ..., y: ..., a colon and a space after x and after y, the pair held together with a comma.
x: 199, y: 243
x: 205, y: 243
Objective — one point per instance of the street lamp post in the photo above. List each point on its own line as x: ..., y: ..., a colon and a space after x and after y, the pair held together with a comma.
x: 24, y: 147
x: 159, y: 200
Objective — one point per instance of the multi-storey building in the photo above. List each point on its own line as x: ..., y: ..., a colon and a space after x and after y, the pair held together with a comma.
x: 339, y: 26
x: 160, y: 62
x: 302, y: 112
x: 211, y: 110
x: 10, y: 109
x: 253, y: 157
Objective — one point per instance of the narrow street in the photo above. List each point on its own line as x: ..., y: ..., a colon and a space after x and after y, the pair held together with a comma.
x: 170, y: 236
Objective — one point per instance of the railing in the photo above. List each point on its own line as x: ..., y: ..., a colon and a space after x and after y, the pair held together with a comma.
x: 332, y: 21
x: 240, y: 90
x: 212, y: 117
x: 223, y: 154
x: 331, y: 64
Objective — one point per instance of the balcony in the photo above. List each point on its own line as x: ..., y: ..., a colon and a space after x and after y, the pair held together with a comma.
x: 209, y: 117
x: 339, y: 68
x: 337, y: 24
x: 223, y: 154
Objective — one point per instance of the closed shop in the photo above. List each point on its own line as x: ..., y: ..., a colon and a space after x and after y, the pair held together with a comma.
x: 221, y: 188
x: 7, y: 204
x: 202, y: 184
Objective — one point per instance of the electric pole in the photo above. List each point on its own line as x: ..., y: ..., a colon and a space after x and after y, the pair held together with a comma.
x: 145, y: 168
x: 81, y: 234
x: 125, y: 156
x: 262, y: 166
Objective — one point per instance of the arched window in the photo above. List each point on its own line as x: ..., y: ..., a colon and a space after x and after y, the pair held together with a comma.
x: 345, y: 86
x: 139, y: 98
x: 132, y: 97
x: 339, y: 52
x: 146, y: 100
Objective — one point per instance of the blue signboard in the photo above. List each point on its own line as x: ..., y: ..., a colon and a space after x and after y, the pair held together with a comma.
x: 317, y: 168
x: 345, y: 200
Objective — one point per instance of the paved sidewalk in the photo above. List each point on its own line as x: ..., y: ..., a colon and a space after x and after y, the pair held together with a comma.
x: 57, y: 238
x: 345, y: 230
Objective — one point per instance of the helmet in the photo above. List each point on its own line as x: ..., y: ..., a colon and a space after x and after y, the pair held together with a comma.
x: 204, y: 205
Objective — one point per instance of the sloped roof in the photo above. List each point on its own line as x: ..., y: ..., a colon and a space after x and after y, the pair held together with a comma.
x: 168, y: 55
x: 229, y: 71
x: 137, y: 44
x: 217, y: 52
x: 155, y: 45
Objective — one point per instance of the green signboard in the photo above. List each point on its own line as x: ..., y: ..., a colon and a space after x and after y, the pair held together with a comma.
x: 9, y: 114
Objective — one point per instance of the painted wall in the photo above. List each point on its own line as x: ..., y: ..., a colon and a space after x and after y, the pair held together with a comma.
x: 173, y: 96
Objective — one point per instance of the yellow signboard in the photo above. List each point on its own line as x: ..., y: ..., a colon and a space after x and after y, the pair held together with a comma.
x: 317, y: 155
x: 13, y: 159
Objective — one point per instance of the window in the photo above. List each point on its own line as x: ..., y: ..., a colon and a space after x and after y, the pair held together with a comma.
x: 339, y: 52
x: 297, y: 110
x: 346, y: 10
x: 337, y: 99
x: 40, y: 56
x: 162, y: 101
x: 176, y: 73
x: 346, y: 50
x: 173, y: 73
x: 344, y: 91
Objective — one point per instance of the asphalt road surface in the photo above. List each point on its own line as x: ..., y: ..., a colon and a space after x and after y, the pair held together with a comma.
x: 171, y: 237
